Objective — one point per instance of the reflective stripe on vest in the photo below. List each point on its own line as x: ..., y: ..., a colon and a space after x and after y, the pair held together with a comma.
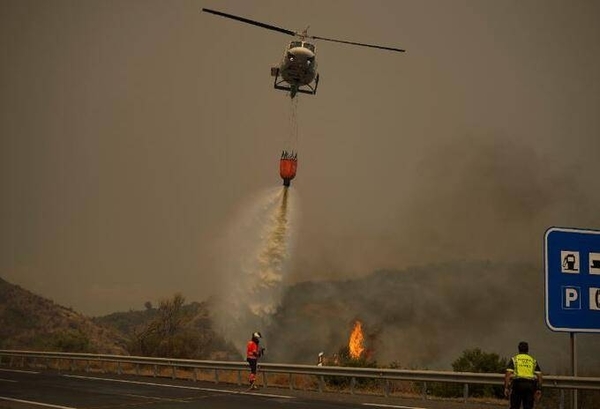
x: 524, y: 366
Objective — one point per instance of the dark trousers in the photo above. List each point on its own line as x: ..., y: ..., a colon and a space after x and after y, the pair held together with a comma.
x: 523, y: 391
x: 252, y: 362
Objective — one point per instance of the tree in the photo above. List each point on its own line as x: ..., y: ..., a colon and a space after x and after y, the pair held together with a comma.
x: 177, y: 330
x: 165, y: 335
x: 478, y: 361
x: 475, y: 360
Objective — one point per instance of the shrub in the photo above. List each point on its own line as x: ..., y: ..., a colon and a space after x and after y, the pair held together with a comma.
x: 474, y: 360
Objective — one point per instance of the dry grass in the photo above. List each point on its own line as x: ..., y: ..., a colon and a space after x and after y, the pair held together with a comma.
x: 33, y: 322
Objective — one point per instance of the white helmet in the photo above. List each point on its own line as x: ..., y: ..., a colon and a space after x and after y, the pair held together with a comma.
x: 257, y: 335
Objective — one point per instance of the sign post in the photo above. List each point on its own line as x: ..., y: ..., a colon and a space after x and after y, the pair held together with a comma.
x: 572, y: 284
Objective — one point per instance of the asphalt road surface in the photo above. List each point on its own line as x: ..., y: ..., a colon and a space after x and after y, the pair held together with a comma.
x: 24, y: 389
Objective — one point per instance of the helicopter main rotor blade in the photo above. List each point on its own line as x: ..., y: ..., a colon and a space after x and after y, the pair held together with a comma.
x: 381, y: 47
x: 248, y: 21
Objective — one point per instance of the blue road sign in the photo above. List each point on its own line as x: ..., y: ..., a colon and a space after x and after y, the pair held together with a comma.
x: 572, y: 268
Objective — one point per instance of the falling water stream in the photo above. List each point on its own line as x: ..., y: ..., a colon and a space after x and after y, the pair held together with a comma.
x: 254, y: 255
x: 254, y: 272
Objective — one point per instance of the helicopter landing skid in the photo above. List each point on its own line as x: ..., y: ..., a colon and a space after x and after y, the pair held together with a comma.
x: 283, y: 85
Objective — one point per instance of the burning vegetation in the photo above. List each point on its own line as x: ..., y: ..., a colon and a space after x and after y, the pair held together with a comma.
x: 355, y: 353
x: 356, y: 344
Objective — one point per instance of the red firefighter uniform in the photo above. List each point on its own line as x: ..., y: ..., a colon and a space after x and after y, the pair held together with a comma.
x: 253, y: 352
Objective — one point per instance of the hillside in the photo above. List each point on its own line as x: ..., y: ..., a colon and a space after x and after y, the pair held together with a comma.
x: 33, y: 322
x: 425, y: 317
x: 422, y: 317
x: 173, y: 329
x: 30, y: 321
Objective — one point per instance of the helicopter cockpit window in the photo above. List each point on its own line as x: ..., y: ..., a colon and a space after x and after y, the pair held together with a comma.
x: 295, y: 44
x: 310, y: 46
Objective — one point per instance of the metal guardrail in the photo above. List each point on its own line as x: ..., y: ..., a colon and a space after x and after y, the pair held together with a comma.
x: 386, y: 375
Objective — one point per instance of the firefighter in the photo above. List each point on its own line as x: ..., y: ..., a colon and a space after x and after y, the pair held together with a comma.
x: 253, y: 352
x: 523, y: 379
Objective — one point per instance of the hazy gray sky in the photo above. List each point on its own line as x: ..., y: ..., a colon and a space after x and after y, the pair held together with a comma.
x: 132, y: 133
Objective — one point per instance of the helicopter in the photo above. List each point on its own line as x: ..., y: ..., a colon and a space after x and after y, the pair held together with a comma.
x: 297, y: 71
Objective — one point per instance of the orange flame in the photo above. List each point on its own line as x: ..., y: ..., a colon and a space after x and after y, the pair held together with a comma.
x: 356, y: 343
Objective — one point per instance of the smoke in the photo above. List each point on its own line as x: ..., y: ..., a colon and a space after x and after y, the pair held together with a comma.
x: 467, y: 199
x: 425, y: 317
x: 491, y: 198
x: 465, y: 250
x: 255, y: 253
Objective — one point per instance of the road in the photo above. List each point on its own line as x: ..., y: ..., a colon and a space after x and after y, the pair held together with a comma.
x: 24, y: 389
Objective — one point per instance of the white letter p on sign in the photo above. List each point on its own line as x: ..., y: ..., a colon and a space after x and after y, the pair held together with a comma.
x: 571, y: 298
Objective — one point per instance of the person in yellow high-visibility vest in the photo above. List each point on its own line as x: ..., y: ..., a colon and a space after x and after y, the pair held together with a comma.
x: 523, y: 379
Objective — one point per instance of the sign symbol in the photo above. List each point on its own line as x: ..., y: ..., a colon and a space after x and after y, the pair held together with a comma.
x: 571, y: 299
x: 594, y: 298
x: 569, y: 262
x: 594, y: 263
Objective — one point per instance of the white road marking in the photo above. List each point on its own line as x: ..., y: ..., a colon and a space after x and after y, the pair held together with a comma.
x: 48, y: 405
x: 7, y: 380
x: 154, y: 398
x: 18, y: 371
x: 382, y: 405
x: 196, y: 388
x: 268, y: 395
